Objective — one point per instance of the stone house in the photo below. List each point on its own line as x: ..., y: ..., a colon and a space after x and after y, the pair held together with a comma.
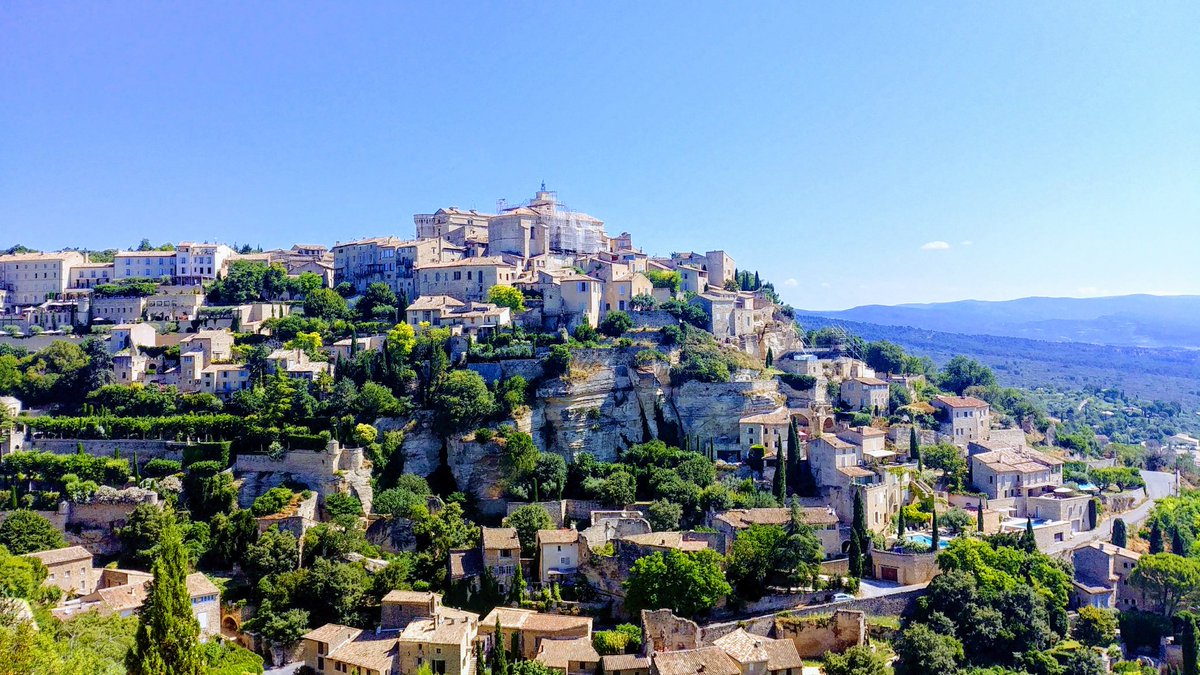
x: 1015, y: 473
x: 573, y: 656
x: 175, y: 303
x: 758, y: 655
x: 963, y: 418
x: 69, y: 569
x: 442, y: 310
x: 568, y: 298
x: 342, y: 348
x: 560, y: 553
x: 501, y: 553
x: 127, y: 335
x: 652, y: 542
x: 91, y: 275
x: 821, y: 519
x: 144, y: 264
x: 198, y: 264
x: 1102, y: 578
x: 461, y: 227
x: 692, y: 279
x: 32, y: 278
x: 620, y: 286
x: 865, y: 393
x: 390, y: 261
x: 526, y: 629
x: 444, y: 641
x: 123, y: 592
x: 905, y: 569
x: 468, y: 279
x: 769, y: 430
x: 296, y: 364
x: 117, y: 308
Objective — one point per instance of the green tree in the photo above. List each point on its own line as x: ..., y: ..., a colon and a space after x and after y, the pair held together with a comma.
x: 1120, y: 536
x: 1157, y: 545
x: 1173, y: 581
x: 276, y: 551
x: 950, y: 461
x: 326, y: 304
x: 934, y: 533
x: 378, y: 303
x: 1028, y: 540
x: 1096, y: 627
x: 167, y: 639
x: 616, y: 323
x: 499, y: 659
x: 507, y: 296
x: 770, y: 360
x: 517, y: 594
x: 862, y: 660
x: 27, y: 532
x: 779, y: 484
x: 914, y: 444
x: 664, y: 516
x: 527, y: 520
x: 884, y: 357
x: 860, y: 538
x: 685, y: 583
x: 961, y: 372
x: 920, y: 650
x: 462, y: 402
x: 1189, y: 640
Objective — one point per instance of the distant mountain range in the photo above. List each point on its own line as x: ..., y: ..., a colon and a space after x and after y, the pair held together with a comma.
x: 1126, y: 321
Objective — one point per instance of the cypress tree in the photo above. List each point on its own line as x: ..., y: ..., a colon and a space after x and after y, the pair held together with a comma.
x: 167, y: 639
x: 1157, y: 545
x: 517, y: 592
x: 900, y: 525
x: 1093, y: 514
x: 859, y: 537
x: 687, y: 441
x: 770, y: 357
x: 480, y: 668
x: 1190, y: 640
x: 934, y: 540
x: 1120, y: 537
x: 757, y: 281
x: 855, y: 553
x: 1028, y: 541
x: 979, y: 517
x: 914, y: 445
x: 793, y: 441
x: 1179, y: 543
x: 779, y: 486
x: 499, y: 660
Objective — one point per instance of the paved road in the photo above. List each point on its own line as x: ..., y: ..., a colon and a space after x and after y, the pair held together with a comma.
x: 287, y: 669
x: 1159, y: 484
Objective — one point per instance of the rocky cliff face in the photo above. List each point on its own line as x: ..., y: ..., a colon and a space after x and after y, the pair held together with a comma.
x: 604, y: 404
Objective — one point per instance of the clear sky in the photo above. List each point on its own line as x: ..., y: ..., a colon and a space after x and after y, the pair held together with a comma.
x: 854, y: 153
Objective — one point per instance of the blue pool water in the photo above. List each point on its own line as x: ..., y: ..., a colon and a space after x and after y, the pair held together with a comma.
x: 922, y: 538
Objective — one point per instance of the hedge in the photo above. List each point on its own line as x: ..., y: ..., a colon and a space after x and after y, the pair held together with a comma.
x: 245, y: 434
x: 217, y: 451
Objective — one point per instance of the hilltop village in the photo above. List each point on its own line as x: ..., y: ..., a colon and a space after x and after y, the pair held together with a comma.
x: 515, y: 442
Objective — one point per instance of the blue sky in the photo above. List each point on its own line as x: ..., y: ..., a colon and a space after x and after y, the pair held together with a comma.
x: 873, y: 153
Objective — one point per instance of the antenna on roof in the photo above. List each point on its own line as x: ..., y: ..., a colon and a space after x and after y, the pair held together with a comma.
x: 543, y: 185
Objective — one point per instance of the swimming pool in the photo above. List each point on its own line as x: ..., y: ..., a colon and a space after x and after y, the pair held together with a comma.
x: 922, y: 538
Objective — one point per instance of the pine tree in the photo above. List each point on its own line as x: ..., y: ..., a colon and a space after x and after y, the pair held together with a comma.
x: 1120, y: 537
x: 499, y: 660
x: 167, y: 639
x: 914, y: 445
x: 1157, y: 545
x: 770, y: 357
x: 779, y: 486
x: 979, y: 517
x: 934, y: 539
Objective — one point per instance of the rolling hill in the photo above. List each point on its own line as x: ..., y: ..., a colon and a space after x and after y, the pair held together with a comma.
x: 1128, y: 320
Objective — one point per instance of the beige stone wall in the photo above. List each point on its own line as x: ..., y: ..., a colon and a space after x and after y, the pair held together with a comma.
x: 911, y: 568
x: 814, y: 637
x: 664, y: 632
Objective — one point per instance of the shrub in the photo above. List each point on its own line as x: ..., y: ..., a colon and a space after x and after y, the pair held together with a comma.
x: 156, y: 468
x: 797, y: 381
x: 343, y: 504
x: 616, y: 323
x: 272, y: 501
x: 484, y: 435
x: 217, y: 451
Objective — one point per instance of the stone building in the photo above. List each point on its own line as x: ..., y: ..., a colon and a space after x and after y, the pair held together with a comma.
x: 467, y: 280
x: 821, y: 519
x: 865, y: 393
x: 32, y: 278
x: 963, y: 418
x: 530, y: 629
x: 544, y: 225
x: 68, y: 569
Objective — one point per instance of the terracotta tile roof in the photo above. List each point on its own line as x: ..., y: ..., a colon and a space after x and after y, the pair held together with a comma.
x: 558, y: 653
x: 61, y: 555
x: 869, y: 381
x: 557, y: 623
x: 466, y: 563
x: 500, y: 538
x: 702, y: 661
x: 624, y: 662
x: 332, y: 634
x: 962, y: 401
x: 777, y: 416
x: 743, y: 647
x: 854, y: 471
x: 810, y: 515
x: 834, y: 441
x: 559, y: 536
x: 123, y: 598
x: 1016, y: 460
x: 509, y: 617
x: 428, y: 302
x: 368, y: 650
x: 1113, y: 549
x: 198, y: 584
x: 782, y: 654
x: 409, y: 597
x: 448, y: 629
